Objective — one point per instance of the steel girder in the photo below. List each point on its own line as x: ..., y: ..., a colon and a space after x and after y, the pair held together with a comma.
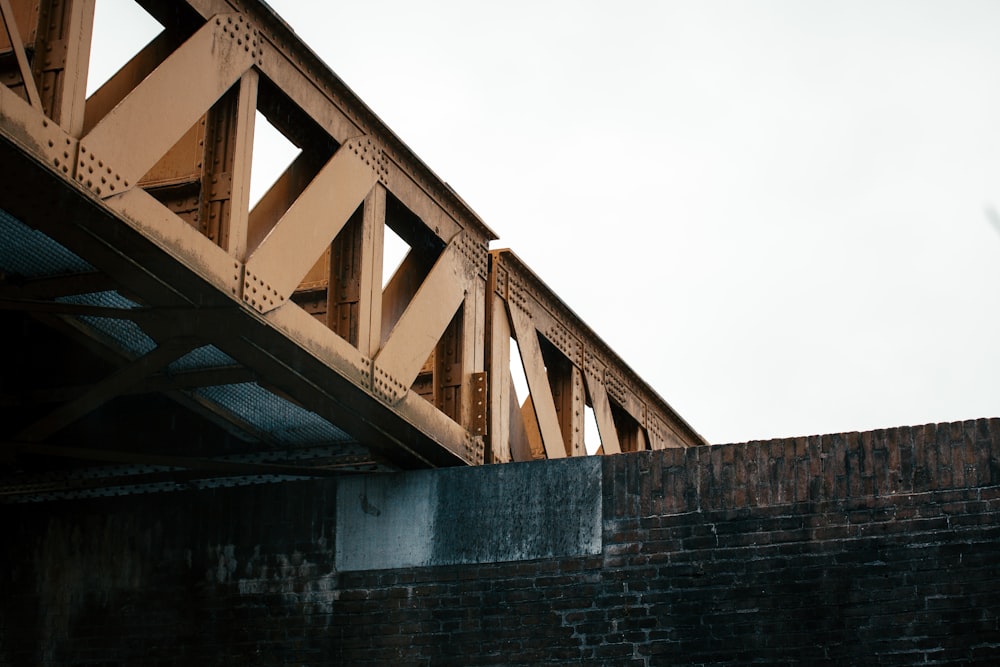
x: 147, y: 181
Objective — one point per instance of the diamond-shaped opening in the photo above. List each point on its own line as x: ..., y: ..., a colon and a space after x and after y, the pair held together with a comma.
x: 272, y: 155
x: 121, y: 30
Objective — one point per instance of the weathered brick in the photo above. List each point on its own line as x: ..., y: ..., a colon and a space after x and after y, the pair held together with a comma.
x: 880, y: 548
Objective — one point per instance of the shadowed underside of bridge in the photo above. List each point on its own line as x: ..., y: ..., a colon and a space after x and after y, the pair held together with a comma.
x: 159, y: 332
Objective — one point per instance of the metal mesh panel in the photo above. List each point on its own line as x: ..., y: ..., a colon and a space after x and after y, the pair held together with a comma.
x: 28, y: 252
x: 126, y: 333
x: 207, y: 356
x: 286, y: 422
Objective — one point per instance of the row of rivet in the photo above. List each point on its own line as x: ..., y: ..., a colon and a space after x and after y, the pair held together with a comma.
x: 474, y: 449
x: 245, y: 35
x: 371, y: 155
x: 76, y: 162
x: 259, y: 293
x: 440, y: 193
x: 475, y: 250
x: 386, y: 387
x: 565, y: 342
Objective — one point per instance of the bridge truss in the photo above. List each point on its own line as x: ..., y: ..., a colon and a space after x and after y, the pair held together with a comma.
x: 158, y: 331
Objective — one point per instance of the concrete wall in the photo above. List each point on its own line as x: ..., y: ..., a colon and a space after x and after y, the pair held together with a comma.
x: 469, y: 515
x: 873, y: 548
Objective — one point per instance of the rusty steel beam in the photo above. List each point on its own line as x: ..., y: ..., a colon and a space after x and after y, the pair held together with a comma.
x: 534, y: 311
x: 13, y: 33
x: 148, y: 182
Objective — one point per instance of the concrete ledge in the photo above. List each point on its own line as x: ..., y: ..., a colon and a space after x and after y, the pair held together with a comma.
x: 486, y: 514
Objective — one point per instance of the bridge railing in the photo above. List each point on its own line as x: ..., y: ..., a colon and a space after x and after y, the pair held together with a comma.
x: 292, y: 287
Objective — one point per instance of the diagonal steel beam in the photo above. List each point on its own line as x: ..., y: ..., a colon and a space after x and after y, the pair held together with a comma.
x: 538, y: 383
x: 425, y: 319
x: 14, y: 35
x: 602, y: 414
x: 137, y: 132
x: 305, y: 231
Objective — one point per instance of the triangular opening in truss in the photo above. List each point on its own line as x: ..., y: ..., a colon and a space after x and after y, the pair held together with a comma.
x: 394, y: 251
x: 517, y: 377
x: 272, y: 154
x: 121, y: 30
x: 525, y: 436
x: 591, y: 434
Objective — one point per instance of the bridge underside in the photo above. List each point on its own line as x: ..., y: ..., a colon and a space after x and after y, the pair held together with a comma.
x: 104, y: 390
x: 158, y: 331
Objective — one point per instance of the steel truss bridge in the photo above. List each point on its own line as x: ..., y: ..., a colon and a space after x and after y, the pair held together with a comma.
x: 159, y: 332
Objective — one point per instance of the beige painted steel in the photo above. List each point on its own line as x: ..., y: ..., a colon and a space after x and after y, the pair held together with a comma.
x: 126, y: 79
x: 156, y: 113
x: 63, y: 70
x: 531, y: 447
x: 370, y: 288
x: 278, y: 198
x: 602, y: 415
x: 300, y: 237
x: 162, y: 178
x: 501, y: 388
x: 17, y: 44
x: 401, y: 289
x: 542, y: 404
x: 554, y: 321
x: 235, y: 237
x: 419, y: 329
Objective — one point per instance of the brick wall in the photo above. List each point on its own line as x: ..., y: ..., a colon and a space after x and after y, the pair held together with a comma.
x: 878, y: 548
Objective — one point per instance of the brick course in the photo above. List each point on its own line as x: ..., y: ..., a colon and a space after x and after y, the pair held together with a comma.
x: 878, y: 548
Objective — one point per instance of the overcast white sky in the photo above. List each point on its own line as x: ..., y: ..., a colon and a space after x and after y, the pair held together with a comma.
x: 776, y: 212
